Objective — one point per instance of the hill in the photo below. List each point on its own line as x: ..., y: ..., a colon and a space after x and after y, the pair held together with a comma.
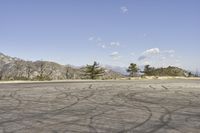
x: 168, y: 71
x: 12, y: 68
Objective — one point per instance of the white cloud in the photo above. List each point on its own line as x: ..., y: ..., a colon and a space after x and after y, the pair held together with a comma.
x: 101, y: 43
x: 103, y: 46
x: 98, y: 39
x: 152, y: 51
x: 124, y: 9
x: 159, y: 58
x: 169, y: 51
x: 114, y: 44
x: 149, y: 53
x: 115, y: 55
x: 146, y: 63
x: 91, y: 39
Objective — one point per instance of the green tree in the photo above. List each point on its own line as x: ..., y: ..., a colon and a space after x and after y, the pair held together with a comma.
x: 93, y: 71
x: 132, y: 69
x: 149, y: 71
x: 190, y: 74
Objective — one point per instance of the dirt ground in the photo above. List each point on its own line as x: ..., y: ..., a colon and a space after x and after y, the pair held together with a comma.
x: 143, y: 106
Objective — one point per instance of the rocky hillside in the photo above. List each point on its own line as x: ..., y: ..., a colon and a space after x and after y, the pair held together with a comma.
x: 17, y: 69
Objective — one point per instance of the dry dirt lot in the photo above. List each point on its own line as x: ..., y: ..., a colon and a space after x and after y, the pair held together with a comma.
x: 149, y: 106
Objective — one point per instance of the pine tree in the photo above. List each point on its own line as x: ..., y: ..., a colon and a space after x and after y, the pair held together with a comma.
x: 132, y: 69
x: 93, y: 71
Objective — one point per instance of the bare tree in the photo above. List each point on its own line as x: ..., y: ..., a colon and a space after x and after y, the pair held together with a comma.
x: 41, y: 70
x: 18, y: 69
x: 45, y: 70
x: 52, y: 69
x: 29, y: 70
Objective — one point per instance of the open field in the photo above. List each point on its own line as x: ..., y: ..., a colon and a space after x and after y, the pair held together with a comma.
x: 141, y: 106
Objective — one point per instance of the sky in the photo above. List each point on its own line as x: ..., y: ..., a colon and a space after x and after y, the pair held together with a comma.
x: 112, y: 32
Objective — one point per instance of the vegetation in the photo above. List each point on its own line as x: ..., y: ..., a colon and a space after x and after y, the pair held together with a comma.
x: 93, y: 71
x: 133, y: 70
x: 149, y: 71
x: 169, y: 71
x: 29, y: 70
x: 18, y: 69
x: 197, y: 74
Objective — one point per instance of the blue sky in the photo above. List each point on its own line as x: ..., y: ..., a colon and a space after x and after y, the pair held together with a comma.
x: 113, y: 32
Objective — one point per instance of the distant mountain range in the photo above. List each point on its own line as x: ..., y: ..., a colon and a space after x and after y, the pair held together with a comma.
x: 118, y: 69
x: 12, y: 68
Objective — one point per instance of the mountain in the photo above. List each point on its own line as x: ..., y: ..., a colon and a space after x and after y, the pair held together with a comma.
x: 4, y: 59
x: 112, y: 74
x: 117, y: 69
x: 12, y: 68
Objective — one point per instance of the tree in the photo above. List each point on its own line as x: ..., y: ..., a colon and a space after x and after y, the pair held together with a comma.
x: 68, y: 74
x: 196, y: 73
x: 18, y: 69
x: 41, y: 70
x: 29, y: 70
x: 190, y: 74
x: 42, y: 74
x: 93, y: 71
x: 1, y: 74
x: 149, y: 71
x: 132, y: 69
